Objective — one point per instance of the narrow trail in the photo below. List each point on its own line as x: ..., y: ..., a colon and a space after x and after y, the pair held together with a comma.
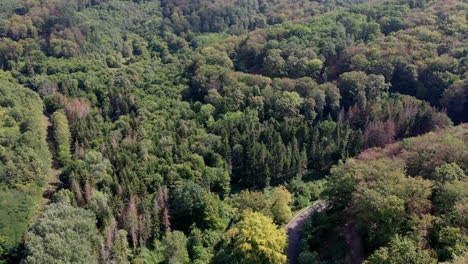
x: 53, y: 180
x: 294, y: 228
x: 355, y: 253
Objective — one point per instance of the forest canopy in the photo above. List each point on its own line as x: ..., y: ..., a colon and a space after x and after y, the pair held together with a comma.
x: 404, y: 203
x: 152, y: 131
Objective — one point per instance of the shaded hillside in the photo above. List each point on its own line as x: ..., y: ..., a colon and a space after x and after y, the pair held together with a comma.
x: 405, y: 202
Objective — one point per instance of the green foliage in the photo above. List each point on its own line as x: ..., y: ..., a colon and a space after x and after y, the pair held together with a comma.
x: 449, y: 172
x: 450, y: 198
x: 24, y: 155
x: 280, y: 207
x: 120, y: 249
x: 454, y: 98
x: 24, y: 162
x: 385, y: 214
x: 63, y: 234
x: 396, y: 209
x: 200, y: 246
x: 192, y: 204
x: 273, y: 202
x: 453, y: 242
x: 175, y: 248
x: 357, y: 87
x: 62, y: 137
x: 308, y: 258
x: 16, y: 207
x: 401, y: 250
x: 305, y: 192
x: 6, y: 7
x: 238, y: 17
x: 174, y: 115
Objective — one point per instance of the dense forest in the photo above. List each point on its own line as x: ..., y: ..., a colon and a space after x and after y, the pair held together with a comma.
x: 157, y: 131
x: 405, y: 203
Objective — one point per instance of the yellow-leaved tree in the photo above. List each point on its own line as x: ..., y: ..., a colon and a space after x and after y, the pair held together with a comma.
x: 258, y: 239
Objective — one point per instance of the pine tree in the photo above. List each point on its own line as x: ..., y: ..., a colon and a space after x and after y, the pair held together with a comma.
x: 62, y: 136
x: 120, y: 249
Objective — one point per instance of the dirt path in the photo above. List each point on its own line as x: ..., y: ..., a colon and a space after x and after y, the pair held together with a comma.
x: 294, y: 229
x: 53, y: 181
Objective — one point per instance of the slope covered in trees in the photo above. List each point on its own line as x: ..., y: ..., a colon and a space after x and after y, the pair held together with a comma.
x: 24, y: 161
x: 406, y: 203
x: 240, y: 16
x: 181, y: 126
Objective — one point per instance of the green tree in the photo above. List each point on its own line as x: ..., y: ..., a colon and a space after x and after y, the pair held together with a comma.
x: 315, y: 65
x: 449, y: 199
x: 453, y: 243
x: 382, y: 214
x: 253, y: 200
x: 401, y: 250
x: 288, y: 104
x: 175, y: 244
x: 191, y: 203
x: 280, y: 205
x: 333, y: 97
x: 304, y: 86
x: 308, y: 257
x: 274, y: 65
x: 352, y: 86
x: 62, y: 136
x: 120, y: 249
x: 360, y: 88
x: 197, y: 250
x: 455, y: 99
x: 16, y: 208
x: 63, y: 234
x: 448, y: 173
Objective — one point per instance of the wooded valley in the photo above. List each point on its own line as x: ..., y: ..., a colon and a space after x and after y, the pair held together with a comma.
x: 157, y: 131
